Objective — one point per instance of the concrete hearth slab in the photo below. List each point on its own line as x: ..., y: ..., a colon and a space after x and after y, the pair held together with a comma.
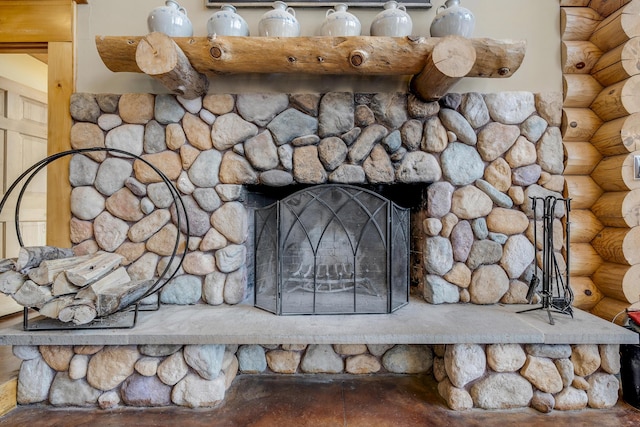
x: 583, y: 328
x: 417, y: 323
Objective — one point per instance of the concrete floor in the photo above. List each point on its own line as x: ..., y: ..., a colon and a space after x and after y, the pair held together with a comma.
x: 323, y: 401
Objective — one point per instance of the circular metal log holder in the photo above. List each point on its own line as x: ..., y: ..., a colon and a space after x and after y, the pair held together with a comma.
x: 126, y: 317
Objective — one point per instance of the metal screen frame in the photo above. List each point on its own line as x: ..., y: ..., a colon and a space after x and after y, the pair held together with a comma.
x: 270, y: 252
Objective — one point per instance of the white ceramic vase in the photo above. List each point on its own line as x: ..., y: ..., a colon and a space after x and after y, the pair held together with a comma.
x: 393, y: 21
x: 279, y: 22
x: 453, y: 20
x: 339, y: 22
x: 226, y: 22
x: 170, y: 19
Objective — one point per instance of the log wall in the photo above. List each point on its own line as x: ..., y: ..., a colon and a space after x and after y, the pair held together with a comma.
x: 601, y: 130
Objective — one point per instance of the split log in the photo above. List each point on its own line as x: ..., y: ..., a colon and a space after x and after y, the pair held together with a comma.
x: 29, y: 257
x: 79, y: 312
x: 582, y: 190
x: 620, y: 23
x: 115, y: 278
x: 581, y: 158
x: 612, y: 244
x: 608, y: 173
x: 618, y: 64
x: 31, y: 294
x: 584, y: 226
x: 62, y: 286
x: 579, y: 57
x: 7, y: 264
x: 578, y: 23
x: 584, y: 259
x: 48, y: 270
x: 586, y: 293
x: 449, y: 61
x: 579, y: 90
x: 114, y: 292
x: 94, y: 289
x: 111, y: 300
x: 618, y: 136
x: 618, y: 209
x: 52, y: 308
x: 612, y: 310
x: 83, y: 314
x: 11, y: 281
x: 65, y: 314
x: 618, y: 100
x: 161, y: 58
x: 579, y: 124
x: 316, y: 55
x: 94, y: 269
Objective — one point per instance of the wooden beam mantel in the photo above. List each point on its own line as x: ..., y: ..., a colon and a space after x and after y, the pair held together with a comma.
x: 362, y: 55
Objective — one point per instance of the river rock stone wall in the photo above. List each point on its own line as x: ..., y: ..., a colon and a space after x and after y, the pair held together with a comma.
x: 483, y: 156
x: 545, y: 377
x: 497, y: 376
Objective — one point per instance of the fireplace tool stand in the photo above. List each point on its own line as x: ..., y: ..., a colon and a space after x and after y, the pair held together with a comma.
x: 556, y: 293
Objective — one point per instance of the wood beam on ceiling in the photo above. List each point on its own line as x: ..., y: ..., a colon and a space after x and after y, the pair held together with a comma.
x: 36, y: 21
x: 33, y: 48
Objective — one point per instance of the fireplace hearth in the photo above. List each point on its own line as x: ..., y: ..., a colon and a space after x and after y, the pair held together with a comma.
x: 332, y: 249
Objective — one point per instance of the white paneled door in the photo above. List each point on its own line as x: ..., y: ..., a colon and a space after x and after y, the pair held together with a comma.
x: 23, y: 142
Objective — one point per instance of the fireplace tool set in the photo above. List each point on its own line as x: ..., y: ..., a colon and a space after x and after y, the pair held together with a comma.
x: 556, y: 294
x: 124, y: 316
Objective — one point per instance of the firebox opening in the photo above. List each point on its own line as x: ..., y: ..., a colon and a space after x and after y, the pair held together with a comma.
x: 410, y: 196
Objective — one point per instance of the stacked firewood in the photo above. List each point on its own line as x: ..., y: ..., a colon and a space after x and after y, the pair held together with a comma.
x: 70, y: 288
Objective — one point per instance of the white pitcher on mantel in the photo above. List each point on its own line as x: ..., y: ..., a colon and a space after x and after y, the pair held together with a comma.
x: 453, y: 20
x: 170, y: 19
x: 279, y: 22
x: 339, y: 22
x: 226, y: 22
x: 393, y: 21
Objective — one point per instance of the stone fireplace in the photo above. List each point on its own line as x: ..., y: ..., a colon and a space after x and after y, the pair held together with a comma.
x: 476, y: 160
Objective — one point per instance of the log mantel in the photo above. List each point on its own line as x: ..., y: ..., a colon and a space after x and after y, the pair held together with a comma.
x: 362, y: 55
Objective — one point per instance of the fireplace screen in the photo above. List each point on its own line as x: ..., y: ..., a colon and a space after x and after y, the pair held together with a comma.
x: 332, y: 249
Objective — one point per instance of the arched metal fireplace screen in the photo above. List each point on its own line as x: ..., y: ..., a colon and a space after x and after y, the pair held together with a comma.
x: 332, y: 249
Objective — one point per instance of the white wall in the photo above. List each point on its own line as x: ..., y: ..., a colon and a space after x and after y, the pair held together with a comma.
x: 536, y: 21
x: 24, y: 69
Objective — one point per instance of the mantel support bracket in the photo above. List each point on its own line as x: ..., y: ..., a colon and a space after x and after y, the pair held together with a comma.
x: 451, y: 59
x: 158, y: 56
